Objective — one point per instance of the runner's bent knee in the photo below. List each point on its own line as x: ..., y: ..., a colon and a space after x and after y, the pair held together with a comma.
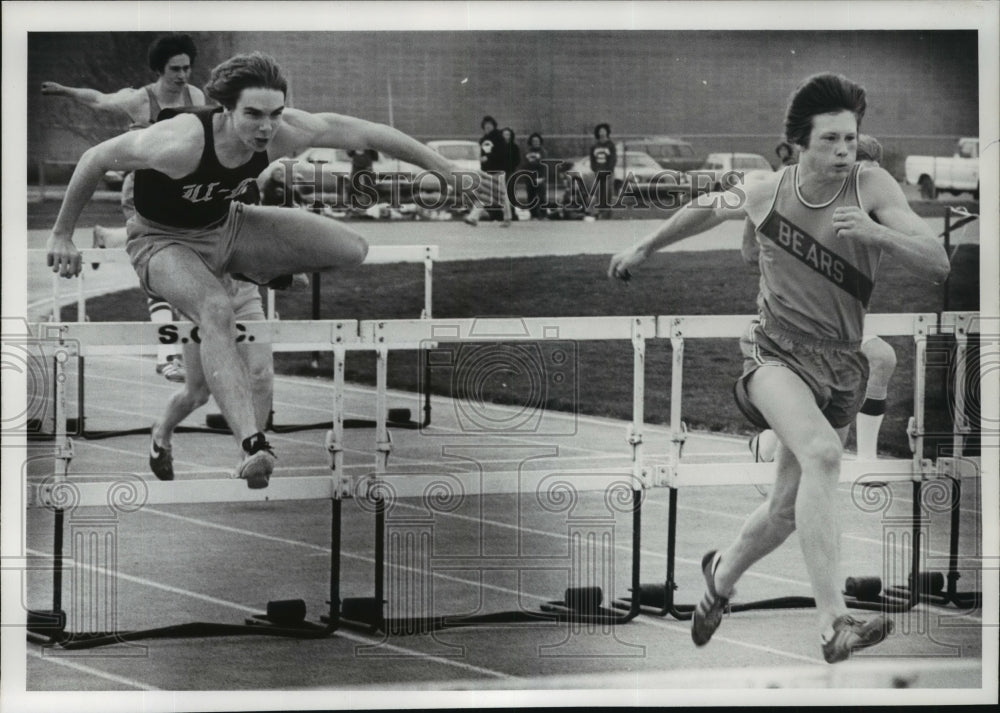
x: 881, y: 358
x: 216, y: 313
x: 261, y: 371
x: 822, y: 452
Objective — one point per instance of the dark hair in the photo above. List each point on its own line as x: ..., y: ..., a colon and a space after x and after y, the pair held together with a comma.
x: 512, y: 134
x: 244, y: 71
x: 540, y: 139
x: 784, y: 145
x: 597, y: 130
x: 482, y: 124
x: 869, y: 149
x: 163, y: 48
x: 821, y: 94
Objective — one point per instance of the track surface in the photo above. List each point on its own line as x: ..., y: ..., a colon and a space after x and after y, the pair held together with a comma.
x: 222, y: 563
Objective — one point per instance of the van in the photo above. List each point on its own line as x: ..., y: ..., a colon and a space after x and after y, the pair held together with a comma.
x: 675, y: 154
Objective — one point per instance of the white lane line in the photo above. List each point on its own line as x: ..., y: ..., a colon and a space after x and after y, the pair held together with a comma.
x: 157, y: 585
x: 69, y: 663
x: 429, y: 657
x: 248, y: 610
x: 685, y: 630
x: 641, y: 620
x: 326, y: 551
x: 741, y: 518
x: 526, y: 439
x: 590, y: 454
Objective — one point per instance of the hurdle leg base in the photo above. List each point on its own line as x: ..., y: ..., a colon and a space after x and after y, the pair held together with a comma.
x: 50, y: 623
x: 364, y: 613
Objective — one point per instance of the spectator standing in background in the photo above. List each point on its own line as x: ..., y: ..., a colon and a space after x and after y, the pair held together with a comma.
x: 603, y: 159
x: 491, y: 160
x: 786, y: 153
x: 362, y: 173
x: 537, y: 184
x: 511, y: 162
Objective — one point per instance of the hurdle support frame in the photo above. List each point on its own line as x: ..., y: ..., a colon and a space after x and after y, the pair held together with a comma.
x: 959, y: 325
x: 215, y: 423
x: 61, y: 494
x: 659, y: 599
x: 579, y: 605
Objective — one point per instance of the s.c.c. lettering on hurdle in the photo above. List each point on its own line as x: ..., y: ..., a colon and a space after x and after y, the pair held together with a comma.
x: 170, y: 334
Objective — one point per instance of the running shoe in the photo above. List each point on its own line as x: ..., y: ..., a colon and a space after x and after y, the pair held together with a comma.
x: 258, y: 463
x: 764, y: 446
x: 850, y: 634
x: 708, y: 614
x: 471, y: 219
x: 161, y: 459
x: 172, y: 369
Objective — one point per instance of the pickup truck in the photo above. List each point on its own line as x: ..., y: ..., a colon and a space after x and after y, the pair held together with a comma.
x: 953, y: 174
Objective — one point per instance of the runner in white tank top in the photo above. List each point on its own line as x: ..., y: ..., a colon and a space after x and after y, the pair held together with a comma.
x: 829, y: 255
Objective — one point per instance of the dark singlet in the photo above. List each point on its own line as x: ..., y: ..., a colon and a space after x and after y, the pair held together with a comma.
x: 202, y: 198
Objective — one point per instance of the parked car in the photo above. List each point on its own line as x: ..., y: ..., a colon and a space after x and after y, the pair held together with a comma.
x: 322, y: 169
x: 393, y: 174
x: 667, y: 151
x: 114, y: 179
x: 463, y: 153
x: 953, y: 174
x: 724, y: 170
x: 641, y: 167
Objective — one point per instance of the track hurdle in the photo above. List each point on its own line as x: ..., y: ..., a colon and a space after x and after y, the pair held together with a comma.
x: 580, y: 604
x: 659, y: 599
x: 215, y: 423
x: 383, y: 255
x: 61, y: 493
x: 936, y: 587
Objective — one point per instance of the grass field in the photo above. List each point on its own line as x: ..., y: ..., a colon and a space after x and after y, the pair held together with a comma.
x: 679, y: 283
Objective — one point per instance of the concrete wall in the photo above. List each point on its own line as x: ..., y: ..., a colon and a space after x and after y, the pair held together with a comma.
x: 724, y: 89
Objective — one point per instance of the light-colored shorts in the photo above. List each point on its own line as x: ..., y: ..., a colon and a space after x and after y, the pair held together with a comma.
x: 245, y: 298
x: 213, y: 245
x: 836, y: 372
x: 128, y: 195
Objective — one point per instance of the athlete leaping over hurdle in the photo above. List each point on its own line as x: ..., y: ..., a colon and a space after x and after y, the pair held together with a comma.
x: 823, y: 225
x: 189, y: 230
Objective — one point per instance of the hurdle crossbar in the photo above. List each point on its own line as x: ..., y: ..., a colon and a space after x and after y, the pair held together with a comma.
x: 658, y: 599
x: 138, y: 492
x: 103, y: 338
x: 403, y: 333
x: 377, y: 255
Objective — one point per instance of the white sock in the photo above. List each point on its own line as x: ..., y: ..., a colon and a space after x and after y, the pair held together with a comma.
x: 160, y: 312
x: 867, y: 428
